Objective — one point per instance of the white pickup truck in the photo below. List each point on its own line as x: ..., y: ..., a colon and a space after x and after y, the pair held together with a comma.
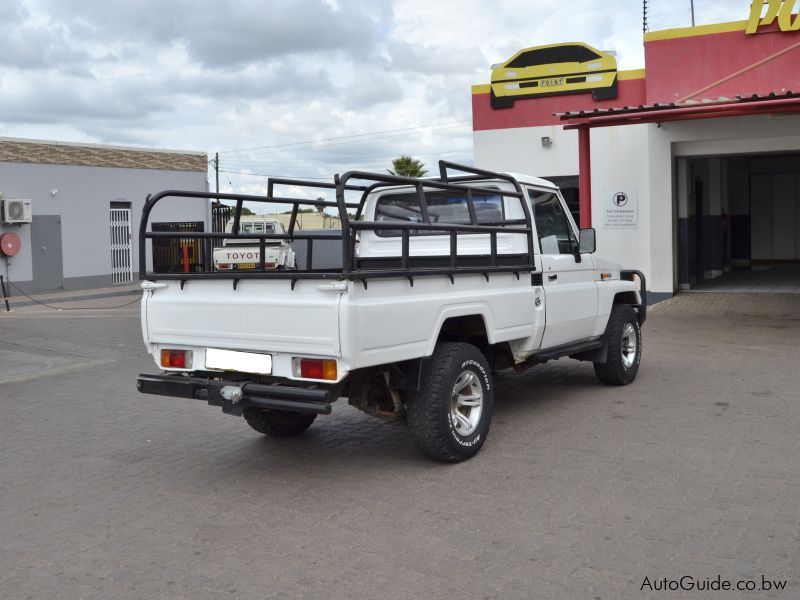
x: 442, y: 282
x: 237, y: 254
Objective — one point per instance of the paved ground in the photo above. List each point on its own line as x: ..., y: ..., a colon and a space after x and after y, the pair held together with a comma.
x: 762, y: 279
x: 582, y: 490
x: 18, y: 299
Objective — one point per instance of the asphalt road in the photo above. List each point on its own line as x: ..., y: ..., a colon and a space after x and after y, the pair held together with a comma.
x: 581, y: 491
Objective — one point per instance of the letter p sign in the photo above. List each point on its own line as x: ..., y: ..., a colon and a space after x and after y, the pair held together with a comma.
x: 775, y: 8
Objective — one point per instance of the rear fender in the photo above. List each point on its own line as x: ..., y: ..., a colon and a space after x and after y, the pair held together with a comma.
x: 467, y: 310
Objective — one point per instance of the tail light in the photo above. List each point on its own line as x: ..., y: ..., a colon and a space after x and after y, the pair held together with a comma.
x: 316, y: 368
x: 176, y: 359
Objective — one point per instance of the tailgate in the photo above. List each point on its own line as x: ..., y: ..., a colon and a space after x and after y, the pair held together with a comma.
x: 259, y: 315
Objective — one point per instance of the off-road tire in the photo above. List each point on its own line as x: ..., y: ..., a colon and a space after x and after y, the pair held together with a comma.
x: 428, y: 411
x: 614, y: 371
x: 278, y: 423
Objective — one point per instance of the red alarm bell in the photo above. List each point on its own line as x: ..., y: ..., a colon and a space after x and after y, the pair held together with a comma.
x: 10, y: 244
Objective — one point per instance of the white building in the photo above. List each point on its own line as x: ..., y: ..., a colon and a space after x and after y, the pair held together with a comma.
x: 86, y: 202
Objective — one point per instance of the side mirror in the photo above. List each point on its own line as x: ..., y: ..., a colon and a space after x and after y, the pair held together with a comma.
x: 588, y: 241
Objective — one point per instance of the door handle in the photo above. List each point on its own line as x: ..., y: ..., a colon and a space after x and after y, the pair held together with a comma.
x: 552, y: 277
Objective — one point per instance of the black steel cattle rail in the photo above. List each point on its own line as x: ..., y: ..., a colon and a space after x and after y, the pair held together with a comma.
x: 354, y: 267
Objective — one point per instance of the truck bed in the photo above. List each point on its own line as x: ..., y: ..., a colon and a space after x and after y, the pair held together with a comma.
x: 259, y: 315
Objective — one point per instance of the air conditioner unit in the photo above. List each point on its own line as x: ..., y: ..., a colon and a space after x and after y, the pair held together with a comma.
x: 17, y: 211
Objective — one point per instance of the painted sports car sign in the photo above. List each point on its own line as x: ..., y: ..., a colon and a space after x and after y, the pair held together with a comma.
x: 569, y: 68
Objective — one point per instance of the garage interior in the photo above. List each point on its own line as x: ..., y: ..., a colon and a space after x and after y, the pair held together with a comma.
x: 738, y: 223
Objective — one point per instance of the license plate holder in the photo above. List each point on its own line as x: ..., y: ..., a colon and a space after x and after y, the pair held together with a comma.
x: 553, y: 82
x: 234, y: 360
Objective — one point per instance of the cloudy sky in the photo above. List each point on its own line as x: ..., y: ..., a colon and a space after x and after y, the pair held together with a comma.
x: 299, y: 88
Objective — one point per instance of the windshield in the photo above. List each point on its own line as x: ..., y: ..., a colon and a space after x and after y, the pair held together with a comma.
x: 548, y: 56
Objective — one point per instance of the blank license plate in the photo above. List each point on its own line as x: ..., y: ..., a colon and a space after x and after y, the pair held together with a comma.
x: 245, y: 362
x: 552, y: 82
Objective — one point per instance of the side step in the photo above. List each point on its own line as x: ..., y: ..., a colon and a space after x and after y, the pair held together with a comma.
x: 592, y: 350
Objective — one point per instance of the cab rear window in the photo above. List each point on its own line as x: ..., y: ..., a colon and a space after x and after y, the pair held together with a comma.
x: 255, y: 227
x: 443, y: 207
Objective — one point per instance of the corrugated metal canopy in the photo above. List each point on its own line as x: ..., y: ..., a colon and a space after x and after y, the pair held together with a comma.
x: 754, y: 104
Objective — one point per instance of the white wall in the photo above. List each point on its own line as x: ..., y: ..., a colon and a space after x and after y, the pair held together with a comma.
x: 619, y: 163
x: 520, y: 151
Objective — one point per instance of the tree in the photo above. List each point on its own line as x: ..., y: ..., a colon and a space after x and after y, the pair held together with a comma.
x: 247, y: 211
x: 405, y: 166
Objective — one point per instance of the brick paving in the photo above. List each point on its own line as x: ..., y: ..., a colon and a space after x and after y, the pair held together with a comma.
x: 581, y: 490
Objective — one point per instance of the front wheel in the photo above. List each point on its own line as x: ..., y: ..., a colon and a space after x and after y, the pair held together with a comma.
x: 624, y: 344
x: 450, y: 416
x: 278, y: 423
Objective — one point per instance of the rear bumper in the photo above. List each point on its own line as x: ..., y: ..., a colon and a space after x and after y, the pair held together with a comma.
x: 233, y: 396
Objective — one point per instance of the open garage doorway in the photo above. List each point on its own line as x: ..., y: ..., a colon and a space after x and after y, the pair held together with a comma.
x: 738, y: 223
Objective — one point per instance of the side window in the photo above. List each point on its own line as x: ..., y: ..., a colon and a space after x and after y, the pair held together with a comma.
x: 556, y: 235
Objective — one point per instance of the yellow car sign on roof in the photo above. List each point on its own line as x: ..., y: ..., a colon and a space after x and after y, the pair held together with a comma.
x: 568, y: 68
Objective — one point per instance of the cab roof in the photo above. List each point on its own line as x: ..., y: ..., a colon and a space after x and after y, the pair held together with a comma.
x: 531, y: 180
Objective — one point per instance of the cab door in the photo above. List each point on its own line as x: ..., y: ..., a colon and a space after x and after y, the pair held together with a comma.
x: 571, y: 295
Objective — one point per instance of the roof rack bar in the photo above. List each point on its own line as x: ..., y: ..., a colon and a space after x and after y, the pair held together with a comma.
x: 473, y: 217
x: 293, y: 218
x: 237, y: 217
x: 362, y: 274
x: 315, y: 184
x: 445, y: 165
x: 394, y: 180
x: 443, y: 171
x: 201, y: 235
x: 443, y: 227
x: 423, y: 204
x: 244, y: 197
x: 348, y: 234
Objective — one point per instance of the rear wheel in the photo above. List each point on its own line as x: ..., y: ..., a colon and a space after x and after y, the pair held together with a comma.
x: 278, y: 423
x: 450, y: 416
x: 624, y: 343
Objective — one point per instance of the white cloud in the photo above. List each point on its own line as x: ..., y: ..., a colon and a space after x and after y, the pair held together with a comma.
x: 235, y: 74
